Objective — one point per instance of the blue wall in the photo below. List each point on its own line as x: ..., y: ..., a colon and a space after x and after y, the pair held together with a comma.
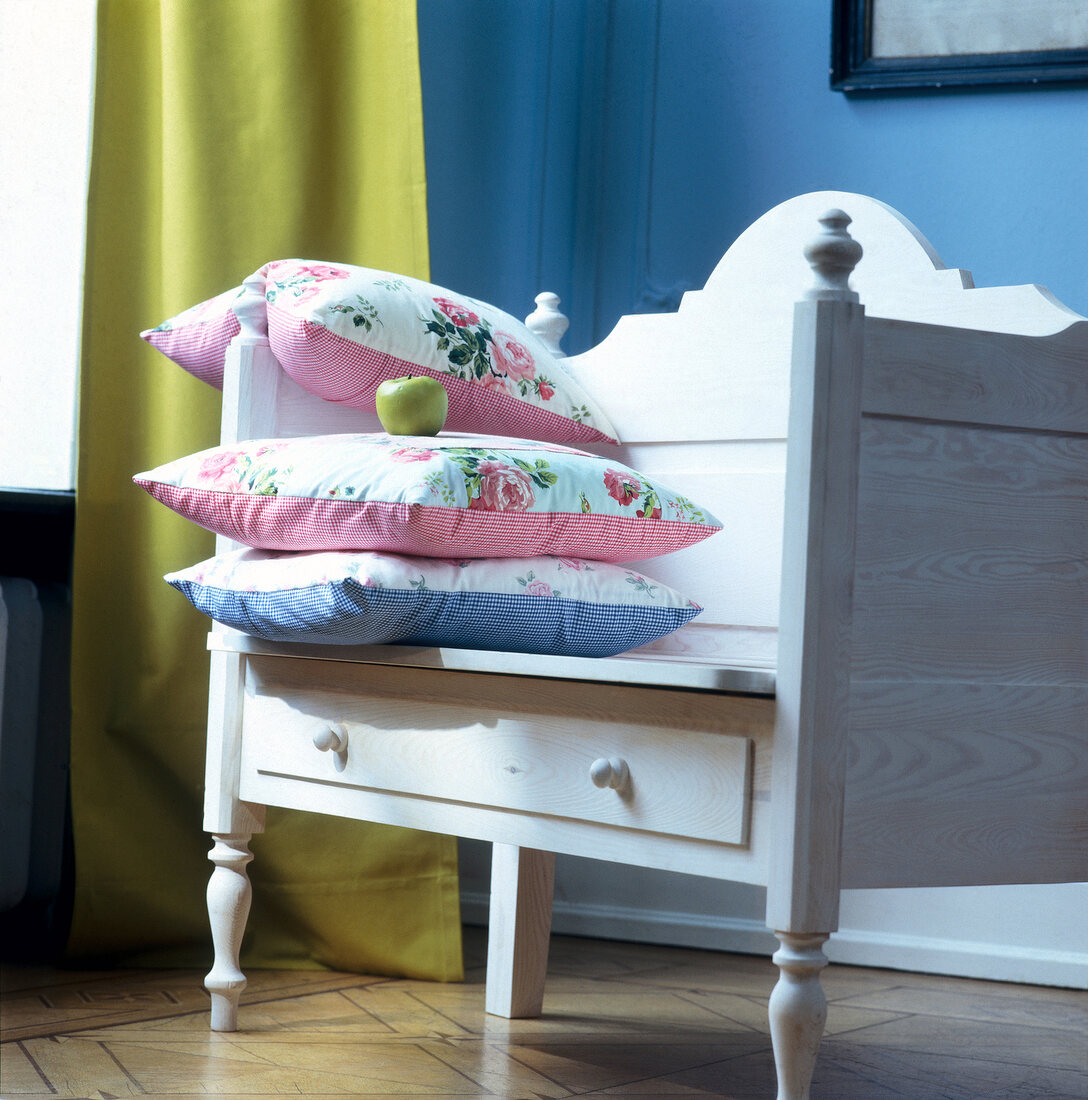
x: 610, y: 150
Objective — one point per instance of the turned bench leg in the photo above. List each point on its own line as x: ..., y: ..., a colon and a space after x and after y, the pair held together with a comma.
x: 798, y: 1011
x: 519, y: 928
x: 229, y: 895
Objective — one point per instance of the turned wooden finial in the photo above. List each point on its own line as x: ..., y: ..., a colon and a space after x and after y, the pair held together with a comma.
x: 547, y: 322
x: 833, y: 255
x: 250, y: 309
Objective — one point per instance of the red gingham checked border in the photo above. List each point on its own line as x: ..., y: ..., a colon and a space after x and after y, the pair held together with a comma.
x: 199, y: 348
x: 348, y: 373
x: 303, y: 523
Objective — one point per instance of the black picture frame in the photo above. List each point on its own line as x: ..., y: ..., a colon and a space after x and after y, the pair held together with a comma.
x: 854, y: 69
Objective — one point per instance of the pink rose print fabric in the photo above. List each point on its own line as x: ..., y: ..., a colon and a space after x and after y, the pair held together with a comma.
x: 503, y: 488
x: 435, y: 496
x: 536, y: 587
x: 511, y: 358
x: 219, y: 466
x: 339, y: 331
x: 461, y: 316
x: 312, y: 271
x: 411, y: 454
x: 622, y: 486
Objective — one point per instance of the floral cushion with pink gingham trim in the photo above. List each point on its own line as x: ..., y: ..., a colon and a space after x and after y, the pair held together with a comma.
x: 197, y: 338
x: 339, y: 331
x: 433, y: 496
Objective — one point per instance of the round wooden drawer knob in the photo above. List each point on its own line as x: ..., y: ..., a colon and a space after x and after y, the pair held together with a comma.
x: 611, y: 772
x: 332, y: 738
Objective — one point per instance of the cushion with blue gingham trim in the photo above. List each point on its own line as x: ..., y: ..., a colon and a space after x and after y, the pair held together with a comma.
x: 553, y: 605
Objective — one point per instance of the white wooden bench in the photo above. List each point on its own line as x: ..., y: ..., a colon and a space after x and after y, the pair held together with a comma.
x: 888, y: 686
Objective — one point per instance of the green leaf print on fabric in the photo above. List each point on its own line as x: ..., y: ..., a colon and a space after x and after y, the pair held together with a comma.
x: 642, y: 585
x: 475, y: 352
x: 539, y: 471
x: 464, y: 337
x: 364, y: 315
x: 259, y: 478
x: 687, y: 510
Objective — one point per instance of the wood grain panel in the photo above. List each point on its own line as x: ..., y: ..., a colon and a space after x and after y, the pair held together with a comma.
x: 733, y: 575
x: 954, y: 741
x: 972, y: 554
x: 986, y: 466
x: 960, y: 783
x: 301, y: 413
x: 977, y: 377
x: 964, y: 842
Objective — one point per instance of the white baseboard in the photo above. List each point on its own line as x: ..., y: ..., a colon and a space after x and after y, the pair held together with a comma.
x: 960, y: 958
x: 922, y: 954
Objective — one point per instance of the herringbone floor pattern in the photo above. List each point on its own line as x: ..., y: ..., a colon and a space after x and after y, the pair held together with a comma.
x: 619, y: 1020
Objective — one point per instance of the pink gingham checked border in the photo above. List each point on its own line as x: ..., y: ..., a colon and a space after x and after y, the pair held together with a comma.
x: 303, y: 523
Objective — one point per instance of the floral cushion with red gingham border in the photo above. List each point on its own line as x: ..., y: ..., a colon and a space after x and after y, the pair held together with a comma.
x: 197, y: 338
x: 340, y: 331
x: 431, y: 496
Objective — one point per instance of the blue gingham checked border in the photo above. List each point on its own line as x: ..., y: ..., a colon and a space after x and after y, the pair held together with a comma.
x: 348, y: 613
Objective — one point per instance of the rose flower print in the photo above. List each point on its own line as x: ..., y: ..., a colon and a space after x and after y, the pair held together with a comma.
x: 411, y: 454
x: 460, y: 315
x: 622, y: 487
x: 323, y: 271
x: 218, y: 465
x: 536, y: 586
x: 503, y: 488
x: 511, y: 358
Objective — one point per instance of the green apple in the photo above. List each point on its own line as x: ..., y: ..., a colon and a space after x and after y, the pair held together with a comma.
x: 415, y: 405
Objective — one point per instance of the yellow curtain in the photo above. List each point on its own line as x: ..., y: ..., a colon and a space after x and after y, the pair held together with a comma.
x: 226, y: 133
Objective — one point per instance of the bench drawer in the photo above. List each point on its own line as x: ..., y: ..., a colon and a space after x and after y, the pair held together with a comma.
x: 475, y: 750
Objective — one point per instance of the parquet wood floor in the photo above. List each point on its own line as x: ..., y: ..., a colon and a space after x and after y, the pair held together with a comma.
x: 620, y: 1020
